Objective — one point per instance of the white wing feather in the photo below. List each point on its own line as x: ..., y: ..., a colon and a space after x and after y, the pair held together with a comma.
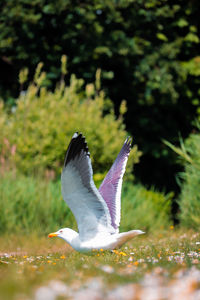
x: 80, y: 193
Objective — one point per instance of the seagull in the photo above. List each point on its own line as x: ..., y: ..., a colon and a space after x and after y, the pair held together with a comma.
x: 97, y: 212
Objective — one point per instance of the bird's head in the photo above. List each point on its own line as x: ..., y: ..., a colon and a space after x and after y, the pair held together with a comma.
x: 66, y: 234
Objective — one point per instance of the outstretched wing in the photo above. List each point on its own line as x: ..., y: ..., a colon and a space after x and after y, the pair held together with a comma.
x: 110, y: 188
x: 80, y: 193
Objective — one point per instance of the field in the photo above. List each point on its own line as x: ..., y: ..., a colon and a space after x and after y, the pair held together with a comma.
x: 160, y: 266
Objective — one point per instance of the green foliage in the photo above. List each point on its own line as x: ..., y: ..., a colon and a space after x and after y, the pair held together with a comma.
x: 193, y: 66
x: 43, y: 123
x: 144, y: 209
x: 147, y: 50
x: 112, y: 35
x: 189, y: 199
x: 29, y: 204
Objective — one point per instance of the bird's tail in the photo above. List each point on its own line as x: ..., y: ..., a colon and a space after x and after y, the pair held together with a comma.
x: 126, y: 236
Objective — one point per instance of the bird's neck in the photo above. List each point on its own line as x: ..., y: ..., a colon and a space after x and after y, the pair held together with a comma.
x: 71, y: 237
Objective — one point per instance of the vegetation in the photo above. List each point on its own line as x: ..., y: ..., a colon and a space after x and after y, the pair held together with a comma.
x: 42, y: 268
x: 146, y: 209
x: 29, y: 204
x: 32, y: 153
x: 189, y: 199
x: 36, y: 132
x: 148, y: 51
x: 143, y: 51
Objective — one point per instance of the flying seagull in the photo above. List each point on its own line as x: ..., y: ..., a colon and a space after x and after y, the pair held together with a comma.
x: 97, y: 212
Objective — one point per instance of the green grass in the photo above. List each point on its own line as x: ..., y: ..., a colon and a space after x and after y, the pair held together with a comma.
x: 34, y: 261
x: 30, y: 208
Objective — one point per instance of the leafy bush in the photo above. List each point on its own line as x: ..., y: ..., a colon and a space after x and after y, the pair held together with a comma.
x: 189, y: 200
x: 29, y: 204
x: 148, y: 51
x: 144, y: 209
x: 43, y: 122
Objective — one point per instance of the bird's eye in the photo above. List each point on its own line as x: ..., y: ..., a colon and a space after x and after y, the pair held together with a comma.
x: 61, y: 231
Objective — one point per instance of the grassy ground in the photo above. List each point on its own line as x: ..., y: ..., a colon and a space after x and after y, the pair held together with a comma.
x: 41, y: 268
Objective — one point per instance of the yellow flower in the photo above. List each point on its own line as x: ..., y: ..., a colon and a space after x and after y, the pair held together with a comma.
x: 62, y: 256
x: 123, y: 253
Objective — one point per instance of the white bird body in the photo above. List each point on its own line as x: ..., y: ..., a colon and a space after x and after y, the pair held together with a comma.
x: 97, y: 212
x: 102, y: 241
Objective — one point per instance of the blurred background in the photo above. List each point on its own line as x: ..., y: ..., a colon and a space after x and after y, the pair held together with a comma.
x: 108, y: 69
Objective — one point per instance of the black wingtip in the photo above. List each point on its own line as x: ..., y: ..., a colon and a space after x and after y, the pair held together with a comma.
x: 76, y: 145
x: 129, y: 142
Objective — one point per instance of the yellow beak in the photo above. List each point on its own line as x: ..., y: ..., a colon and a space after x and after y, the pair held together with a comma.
x: 52, y: 234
